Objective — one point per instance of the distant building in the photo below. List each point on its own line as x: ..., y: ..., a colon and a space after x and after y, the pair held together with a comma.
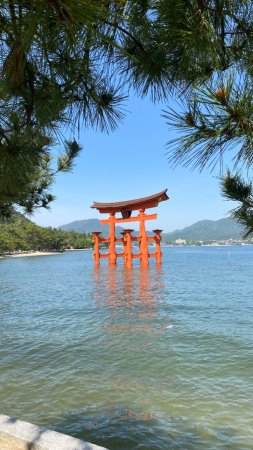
x: 180, y: 242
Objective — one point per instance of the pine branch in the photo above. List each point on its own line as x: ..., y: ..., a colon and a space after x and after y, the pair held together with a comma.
x: 66, y: 161
x: 216, y: 119
x: 234, y: 188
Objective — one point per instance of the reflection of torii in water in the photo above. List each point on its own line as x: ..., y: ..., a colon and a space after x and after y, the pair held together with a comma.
x: 132, y: 297
x: 133, y: 287
x: 126, y: 208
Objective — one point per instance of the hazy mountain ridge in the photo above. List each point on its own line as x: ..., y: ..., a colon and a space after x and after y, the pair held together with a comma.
x: 207, y: 230
x: 88, y: 226
x: 203, y: 230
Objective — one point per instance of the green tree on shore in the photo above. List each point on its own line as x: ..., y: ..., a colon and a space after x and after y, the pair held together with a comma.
x: 25, y: 235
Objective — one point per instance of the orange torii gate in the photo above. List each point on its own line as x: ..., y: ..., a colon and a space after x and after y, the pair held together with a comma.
x: 126, y: 208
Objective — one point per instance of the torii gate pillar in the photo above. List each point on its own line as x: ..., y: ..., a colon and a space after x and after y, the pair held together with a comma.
x: 143, y: 240
x: 112, y: 252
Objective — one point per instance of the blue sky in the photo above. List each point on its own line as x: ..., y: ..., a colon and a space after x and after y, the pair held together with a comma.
x: 131, y: 163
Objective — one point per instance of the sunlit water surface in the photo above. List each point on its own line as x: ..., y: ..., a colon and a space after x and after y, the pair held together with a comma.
x: 131, y: 358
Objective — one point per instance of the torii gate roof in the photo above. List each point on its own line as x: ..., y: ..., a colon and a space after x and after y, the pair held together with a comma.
x: 131, y: 205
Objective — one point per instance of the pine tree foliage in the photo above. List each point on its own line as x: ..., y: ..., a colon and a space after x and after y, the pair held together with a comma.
x: 216, y: 120
x: 71, y: 63
x: 236, y: 189
x: 52, y: 56
x: 217, y: 112
x: 216, y: 106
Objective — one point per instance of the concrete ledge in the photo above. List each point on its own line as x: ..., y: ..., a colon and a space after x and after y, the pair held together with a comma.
x: 18, y: 435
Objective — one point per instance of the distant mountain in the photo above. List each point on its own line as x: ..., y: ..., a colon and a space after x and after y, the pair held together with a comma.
x: 207, y: 230
x: 88, y: 226
x: 204, y: 230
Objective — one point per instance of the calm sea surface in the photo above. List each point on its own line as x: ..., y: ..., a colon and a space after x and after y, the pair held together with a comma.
x: 131, y: 358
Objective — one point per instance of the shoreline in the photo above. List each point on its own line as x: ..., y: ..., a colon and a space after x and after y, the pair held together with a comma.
x: 30, y: 254
x: 40, y: 253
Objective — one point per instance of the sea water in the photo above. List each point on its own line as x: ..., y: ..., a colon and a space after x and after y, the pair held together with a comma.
x: 156, y: 358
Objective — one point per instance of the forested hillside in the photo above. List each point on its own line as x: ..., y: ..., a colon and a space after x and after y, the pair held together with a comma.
x: 19, y: 233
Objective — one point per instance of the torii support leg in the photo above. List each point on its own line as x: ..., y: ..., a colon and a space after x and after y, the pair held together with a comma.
x: 144, y: 240
x: 158, y: 239
x: 96, y: 254
x: 124, y: 245
x: 128, y: 248
x: 112, y: 253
